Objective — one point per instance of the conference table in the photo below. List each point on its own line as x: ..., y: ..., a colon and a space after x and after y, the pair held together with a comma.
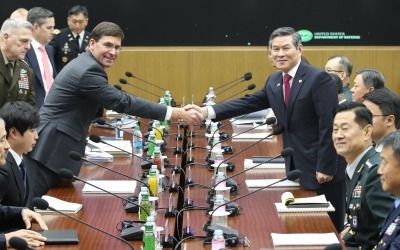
x: 258, y: 216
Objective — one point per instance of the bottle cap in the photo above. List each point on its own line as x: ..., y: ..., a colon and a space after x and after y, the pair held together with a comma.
x: 150, y: 218
x: 219, y: 197
x: 220, y: 174
x: 216, y: 231
x: 143, y: 189
x: 137, y: 127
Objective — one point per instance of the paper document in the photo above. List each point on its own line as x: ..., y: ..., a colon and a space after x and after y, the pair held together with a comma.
x: 248, y: 163
x: 63, y: 206
x: 265, y: 182
x: 281, y: 208
x: 304, y: 239
x: 114, y: 186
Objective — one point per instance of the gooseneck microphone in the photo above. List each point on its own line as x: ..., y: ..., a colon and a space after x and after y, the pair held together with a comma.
x: 19, y: 243
x: 129, y: 74
x: 251, y: 86
x: 335, y: 246
x: 44, y: 205
x: 67, y: 174
x: 77, y: 157
x: 275, y: 131
x: 292, y: 175
x: 124, y: 81
x: 284, y: 153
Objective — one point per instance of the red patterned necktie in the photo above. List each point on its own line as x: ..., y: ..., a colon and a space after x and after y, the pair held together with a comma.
x: 286, y: 82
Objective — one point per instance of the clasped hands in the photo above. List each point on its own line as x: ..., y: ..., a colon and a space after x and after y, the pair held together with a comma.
x: 190, y: 114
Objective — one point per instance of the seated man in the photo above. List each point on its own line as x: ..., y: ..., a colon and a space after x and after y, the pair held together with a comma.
x: 367, y: 204
x: 16, y: 217
x: 21, y: 121
x: 389, y: 171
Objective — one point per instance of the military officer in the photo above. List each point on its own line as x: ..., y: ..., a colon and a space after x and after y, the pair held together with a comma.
x: 70, y: 42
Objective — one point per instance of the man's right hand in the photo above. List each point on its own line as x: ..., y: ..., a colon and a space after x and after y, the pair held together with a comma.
x: 33, y: 238
x: 202, y: 110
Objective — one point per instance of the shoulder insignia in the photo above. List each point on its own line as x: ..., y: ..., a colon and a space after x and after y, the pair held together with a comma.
x: 56, y: 31
x: 369, y: 164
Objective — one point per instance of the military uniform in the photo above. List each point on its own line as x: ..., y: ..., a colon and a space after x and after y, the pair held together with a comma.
x: 390, y: 232
x: 19, y: 87
x: 66, y: 47
x: 367, y: 203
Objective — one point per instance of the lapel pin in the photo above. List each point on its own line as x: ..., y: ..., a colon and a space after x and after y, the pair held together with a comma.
x: 300, y: 81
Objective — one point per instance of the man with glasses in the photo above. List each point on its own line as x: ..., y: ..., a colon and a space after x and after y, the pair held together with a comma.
x: 385, y: 107
x: 78, y: 91
x: 342, y: 67
x: 366, y: 81
x: 73, y: 40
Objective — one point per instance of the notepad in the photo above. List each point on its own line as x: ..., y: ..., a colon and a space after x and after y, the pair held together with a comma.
x: 65, y: 236
x: 60, y: 205
x: 266, y: 182
x: 288, y: 199
x: 248, y: 163
x: 118, y: 147
x: 112, y: 186
x: 251, y: 136
x: 303, y: 240
x: 281, y: 208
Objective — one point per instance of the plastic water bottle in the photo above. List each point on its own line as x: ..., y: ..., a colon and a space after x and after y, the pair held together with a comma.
x: 145, y: 206
x: 149, y: 237
x: 137, y: 142
x: 219, y: 180
x: 152, y: 143
x: 167, y: 98
x: 210, y: 96
x: 218, y: 240
x: 157, y: 159
x: 157, y: 130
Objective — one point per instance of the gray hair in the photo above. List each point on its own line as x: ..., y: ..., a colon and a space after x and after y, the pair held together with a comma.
x: 39, y: 15
x: 344, y: 63
x: 372, y: 78
x: 286, y: 31
x: 393, y: 140
x: 2, y: 122
x: 12, y: 25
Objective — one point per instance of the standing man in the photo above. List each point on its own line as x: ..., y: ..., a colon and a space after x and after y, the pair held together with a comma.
x: 389, y: 237
x: 302, y: 98
x: 20, y: 13
x: 342, y: 67
x: 385, y: 107
x: 367, y: 204
x: 21, y: 121
x: 41, y: 56
x: 366, y: 81
x: 78, y: 91
x: 71, y: 41
x: 12, y: 218
x: 16, y: 77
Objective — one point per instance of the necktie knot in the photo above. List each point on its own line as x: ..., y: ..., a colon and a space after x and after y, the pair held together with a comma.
x: 10, y: 68
x: 286, y: 78
x: 42, y: 48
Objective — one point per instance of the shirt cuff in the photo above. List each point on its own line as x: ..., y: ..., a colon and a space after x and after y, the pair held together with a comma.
x: 169, y: 113
x: 211, y: 113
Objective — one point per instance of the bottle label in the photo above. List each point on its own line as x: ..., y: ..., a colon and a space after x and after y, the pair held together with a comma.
x: 138, y: 144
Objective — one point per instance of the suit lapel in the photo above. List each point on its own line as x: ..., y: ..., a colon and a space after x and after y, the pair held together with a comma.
x: 33, y: 62
x: 297, y: 84
x: 17, y: 176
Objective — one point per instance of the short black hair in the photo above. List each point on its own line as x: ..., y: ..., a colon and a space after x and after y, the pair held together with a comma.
x: 78, y: 9
x: 363, y: 115
x: 392, y: 140
x: 19, y: 115
x: 106, y: 29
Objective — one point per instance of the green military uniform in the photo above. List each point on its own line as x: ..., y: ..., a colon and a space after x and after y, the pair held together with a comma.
x: 367, y: 204
x: 19, y: 87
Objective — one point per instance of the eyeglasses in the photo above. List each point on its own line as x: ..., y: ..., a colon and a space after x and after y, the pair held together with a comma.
x: 332, y: 70
x: 110, y: 47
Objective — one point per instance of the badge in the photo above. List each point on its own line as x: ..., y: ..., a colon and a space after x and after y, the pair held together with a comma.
x: 357, y: 191
x: 66, y: 48
x: 64, y: 59
x: 354, y: 222
x: 23, y: 81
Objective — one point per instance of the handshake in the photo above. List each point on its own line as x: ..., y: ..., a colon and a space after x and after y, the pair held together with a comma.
x: 190, y: 114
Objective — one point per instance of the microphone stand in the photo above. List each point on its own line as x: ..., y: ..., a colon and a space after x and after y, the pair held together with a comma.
x: 181, y: 195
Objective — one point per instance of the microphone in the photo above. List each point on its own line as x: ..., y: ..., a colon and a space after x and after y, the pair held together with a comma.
x: 97, y: 139
x: 335, y: 246
x: 77, y: 157
x: 19, y: 243
x: 251, y: 86
x: 292, y: 175
x: 124, y: 81
x: 129, y: 74
x: 284, y: 153
x: 245, y: 77
x: 275, y: 131
x: 117, y: 86
x: 44, y: 205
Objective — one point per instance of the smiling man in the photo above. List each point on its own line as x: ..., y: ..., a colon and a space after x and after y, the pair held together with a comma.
x: 302, y: 98
x: 367, y: 204
x: 77, y: 93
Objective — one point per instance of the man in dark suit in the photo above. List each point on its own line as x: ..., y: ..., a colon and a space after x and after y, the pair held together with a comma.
x: 14, y: 218
x: 78, y: 91
x: 389, y: 170
x: 303, y: 106
x: 16, y: 79
x: 21, y: 121
x: 367, y: 204
x: 73, y: 40
x: 40, y: 57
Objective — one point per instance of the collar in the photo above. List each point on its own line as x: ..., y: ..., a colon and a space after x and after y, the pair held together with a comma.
x: 80, y: 34
x: 7, y: 61
x: 17, y: 157
x: 351, y: 168
x: 292, y: 71
x: 35, y: 44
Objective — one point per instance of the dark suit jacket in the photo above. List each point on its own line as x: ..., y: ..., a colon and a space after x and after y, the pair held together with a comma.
x: 389, y: 237
x: 367, y: 204
x: 307, y: 121
x: 10, y: 219
x: 66, y: 47
x: 31, y: 59
x: 77, y: 92
x: 13, y: 192
x: 20, y: 88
